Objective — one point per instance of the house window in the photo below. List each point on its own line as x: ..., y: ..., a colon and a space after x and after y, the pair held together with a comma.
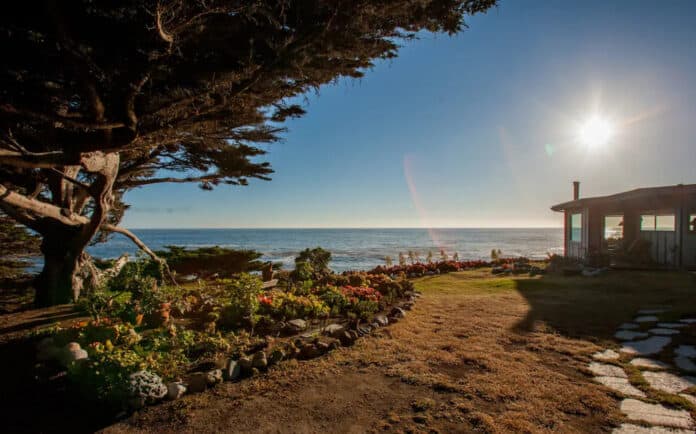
x: 575, y: 227
x: 647, y: 222
x: 613, y: 227
x: 658, y: 222
x: 665, y: 223
x: 692, y: 223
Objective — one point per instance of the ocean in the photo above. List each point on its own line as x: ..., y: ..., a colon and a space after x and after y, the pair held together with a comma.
x: 352, y: 249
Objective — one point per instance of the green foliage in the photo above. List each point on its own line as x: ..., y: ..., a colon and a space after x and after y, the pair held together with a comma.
x: 286, y: 305
x: 243, y: 299
x: 105, y: 374
x: 207, y: 261
x: 313, y: 262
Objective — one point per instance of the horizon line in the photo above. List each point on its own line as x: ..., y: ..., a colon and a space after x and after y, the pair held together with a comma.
x: 344, y: 227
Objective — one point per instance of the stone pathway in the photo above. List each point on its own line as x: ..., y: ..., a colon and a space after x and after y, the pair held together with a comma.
x: 651, y: 345
x: 646, y: 336
x: 642, y: 362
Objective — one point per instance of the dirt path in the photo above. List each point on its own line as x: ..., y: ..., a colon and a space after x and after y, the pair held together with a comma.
x: 460, y: 362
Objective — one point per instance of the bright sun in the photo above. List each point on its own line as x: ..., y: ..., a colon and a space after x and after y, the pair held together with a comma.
x: 596, y: 132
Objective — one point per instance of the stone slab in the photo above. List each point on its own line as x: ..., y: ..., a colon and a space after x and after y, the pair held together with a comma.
x: 629, y: 428
x: 646, y: 318
x: 627, y: 335
x: 629, y: 326
x: 671, y: 325
x: 642, y: 362
x: 605, y: 370
x: 690, y: 398
x: 685, y: 351
x: 651, y: 311
x: 606, y: 355
x: 620, y: 385
x: 685, y: 364
x: 656, y: 414
x: 688, y: 320
x: 651, y: 345
x: 667, y: 382
x: 663, y: 331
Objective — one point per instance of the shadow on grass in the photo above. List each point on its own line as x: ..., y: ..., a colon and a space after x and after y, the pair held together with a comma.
x: 593, y: 307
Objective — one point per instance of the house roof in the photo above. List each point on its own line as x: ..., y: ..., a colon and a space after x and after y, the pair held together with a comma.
x: 650, y: 193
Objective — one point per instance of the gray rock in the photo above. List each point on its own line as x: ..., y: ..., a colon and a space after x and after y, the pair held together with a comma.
x: 629, y: 326
x: 276, y: 356
x: 147, y: 386
x: 197, y: 382
x: 213, y: 377
x: 259, y: 361
x: 397, y: 312
x: 407, y: 306
x: 323, y: 347
x: 245, y: 364
x: 333, y: 330
x: 72, y: 353
x: 232, y: 370
x: 309, y: 351
x: 175, y: 390
x: 346, y: 339
x: 297, y: 325
x: 374, y: 325
x: 382, y: 320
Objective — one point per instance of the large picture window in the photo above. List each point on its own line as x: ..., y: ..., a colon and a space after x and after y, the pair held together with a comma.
x: 575, y: 227
x: 663, y: 222
x: 613, y: 227
x: 647, y: 222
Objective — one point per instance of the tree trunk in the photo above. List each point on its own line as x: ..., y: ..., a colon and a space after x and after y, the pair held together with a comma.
x: 57, y: 282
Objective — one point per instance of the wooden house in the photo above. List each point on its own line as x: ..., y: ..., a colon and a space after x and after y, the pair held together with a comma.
x: 659, y: 220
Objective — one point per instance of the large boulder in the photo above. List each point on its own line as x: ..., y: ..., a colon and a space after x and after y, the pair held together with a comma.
x: 147, y: 387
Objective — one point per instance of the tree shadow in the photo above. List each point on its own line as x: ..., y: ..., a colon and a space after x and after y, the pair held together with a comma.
x: 593, y: 307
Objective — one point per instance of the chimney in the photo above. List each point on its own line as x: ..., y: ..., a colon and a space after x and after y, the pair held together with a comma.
x: 576, y: 190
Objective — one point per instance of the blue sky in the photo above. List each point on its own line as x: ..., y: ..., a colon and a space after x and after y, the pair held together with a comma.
x: 476, y: 130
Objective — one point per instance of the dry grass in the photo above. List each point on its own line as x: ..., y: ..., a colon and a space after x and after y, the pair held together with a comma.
x: 477, y: 354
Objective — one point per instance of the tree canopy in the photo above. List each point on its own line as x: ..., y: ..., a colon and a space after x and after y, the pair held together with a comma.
x: 98, y: 97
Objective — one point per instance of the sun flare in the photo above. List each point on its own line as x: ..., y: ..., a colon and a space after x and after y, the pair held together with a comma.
x: 596, y: 132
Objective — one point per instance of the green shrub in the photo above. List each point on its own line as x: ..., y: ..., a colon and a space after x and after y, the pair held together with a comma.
x: 312, y: 264
x: 243, y: 299
x: 284, y: 305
